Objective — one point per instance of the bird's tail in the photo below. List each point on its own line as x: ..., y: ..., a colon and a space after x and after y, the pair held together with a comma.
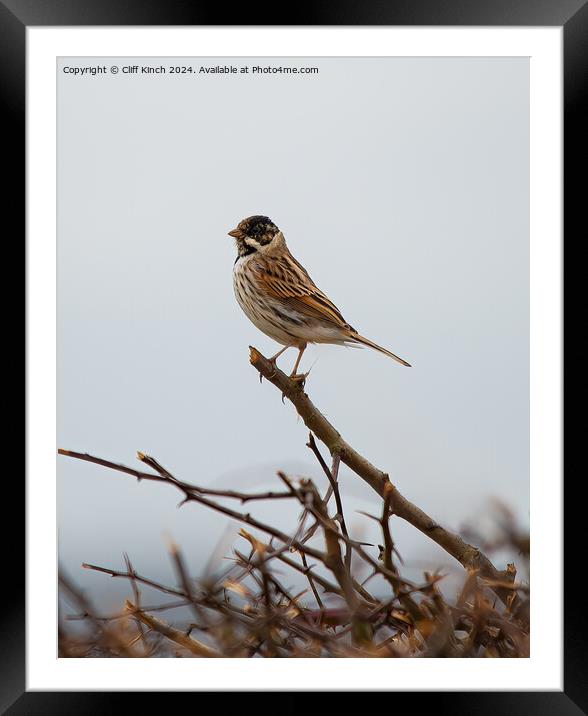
x: 366, y: 342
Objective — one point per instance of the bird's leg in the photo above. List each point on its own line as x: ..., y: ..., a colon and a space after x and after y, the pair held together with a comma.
x: 273, y: 359
x: 293, y: 375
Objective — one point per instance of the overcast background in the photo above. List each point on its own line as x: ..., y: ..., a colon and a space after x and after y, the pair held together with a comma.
x: 400, y: 184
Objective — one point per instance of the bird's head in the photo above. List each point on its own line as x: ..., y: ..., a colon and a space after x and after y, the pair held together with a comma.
x: 255, y: 233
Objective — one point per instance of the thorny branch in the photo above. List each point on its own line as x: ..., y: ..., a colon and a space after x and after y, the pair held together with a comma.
x: 470, y: 557
x: 249, y: 610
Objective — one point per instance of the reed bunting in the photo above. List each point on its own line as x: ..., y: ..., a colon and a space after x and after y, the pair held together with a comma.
x: 279, y: 297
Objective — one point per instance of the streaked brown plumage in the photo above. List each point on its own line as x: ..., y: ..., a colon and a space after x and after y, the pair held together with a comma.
x: 279, y: 297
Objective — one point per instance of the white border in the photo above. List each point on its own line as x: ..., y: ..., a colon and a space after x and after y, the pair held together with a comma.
x: 544, y: 669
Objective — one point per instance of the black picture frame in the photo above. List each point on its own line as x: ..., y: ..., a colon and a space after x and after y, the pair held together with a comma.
x: 572, y: 15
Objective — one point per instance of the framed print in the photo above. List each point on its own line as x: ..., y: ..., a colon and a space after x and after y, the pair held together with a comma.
x: 218, y: 491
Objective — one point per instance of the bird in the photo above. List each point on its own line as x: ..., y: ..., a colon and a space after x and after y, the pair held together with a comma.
x: 279, y: 297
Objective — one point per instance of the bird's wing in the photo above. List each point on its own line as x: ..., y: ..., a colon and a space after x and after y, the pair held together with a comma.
x: 288, y: 281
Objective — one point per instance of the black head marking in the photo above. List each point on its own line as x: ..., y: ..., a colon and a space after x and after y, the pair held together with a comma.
x: 253, y: 233
x: 258, y: 227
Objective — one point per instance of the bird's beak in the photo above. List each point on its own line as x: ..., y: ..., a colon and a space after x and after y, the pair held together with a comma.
x: 236, y: 233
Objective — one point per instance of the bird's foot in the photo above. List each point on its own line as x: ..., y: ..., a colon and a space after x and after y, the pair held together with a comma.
x: 299, y: 378
x: 274, y: 362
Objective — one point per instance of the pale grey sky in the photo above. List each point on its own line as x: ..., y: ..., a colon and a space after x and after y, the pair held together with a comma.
x: 401, y: 184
